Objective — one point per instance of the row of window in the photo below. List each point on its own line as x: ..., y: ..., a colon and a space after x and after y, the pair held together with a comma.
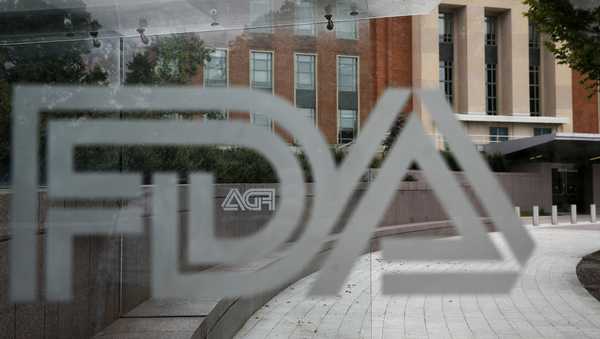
x: 261, y: 17
x: 446, y: 66
x: 500, y: 134
x: 261, y: 78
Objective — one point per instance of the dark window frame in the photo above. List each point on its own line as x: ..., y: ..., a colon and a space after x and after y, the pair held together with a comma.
x: 347, y: 99
x: 498, y: 134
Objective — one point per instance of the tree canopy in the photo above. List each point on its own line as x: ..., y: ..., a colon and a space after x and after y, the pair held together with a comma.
x: 170, y: 60
x: 40, y: 62
x: 573, y: 31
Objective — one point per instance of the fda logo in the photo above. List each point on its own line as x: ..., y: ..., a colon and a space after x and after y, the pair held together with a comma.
x: 331, y: 191
x: 252, y: 200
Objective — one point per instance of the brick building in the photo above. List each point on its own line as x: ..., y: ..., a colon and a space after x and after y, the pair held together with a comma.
x: 502, y: 83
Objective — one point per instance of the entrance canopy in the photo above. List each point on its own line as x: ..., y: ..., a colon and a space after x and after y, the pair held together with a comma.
x: 559, y: 147
x: 73, y: 18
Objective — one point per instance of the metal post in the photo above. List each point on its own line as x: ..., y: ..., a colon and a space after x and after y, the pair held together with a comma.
x: 573, y: 214
x: 593, y: 213
x: 518, y: 211
x: 554, y: 215
x: 536, y: 215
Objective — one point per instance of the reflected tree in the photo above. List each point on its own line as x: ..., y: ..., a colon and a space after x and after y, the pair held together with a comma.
x: 41, y: 61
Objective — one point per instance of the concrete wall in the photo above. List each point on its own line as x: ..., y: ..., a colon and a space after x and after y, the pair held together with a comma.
x: 112, y: 273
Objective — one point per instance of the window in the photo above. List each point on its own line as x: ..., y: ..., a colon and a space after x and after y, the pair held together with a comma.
x: 305, y: 84
x: 345, y: 29
x: 534, y: 37
x: 215, y: 70
x: 261, y: 120
x: 347, y: 74
x: 261, y: 77
x: 446, y: 82
x: 534, y: 90
x: 446, y: 33
x: 215, y: 75
x: 446, y: 27
x: 261, y: 70
x: 347, y: 98
x: 491, y: 66
x: 491, y: 90
x: 260, y: 16
x: 490, y: 31
x: 305, y: 13
x: 541, y: 131
x: 498, y: 134
x: 534, y: 71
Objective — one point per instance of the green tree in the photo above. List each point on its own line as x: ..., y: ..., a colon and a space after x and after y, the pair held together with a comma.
x: 170, y: 60
x: 394, y: 132
x: 41, y: 62
x: 573, y: 31
x: 140, y: 70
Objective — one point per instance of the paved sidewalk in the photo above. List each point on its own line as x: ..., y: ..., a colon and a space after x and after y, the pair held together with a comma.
x: 548, y: 301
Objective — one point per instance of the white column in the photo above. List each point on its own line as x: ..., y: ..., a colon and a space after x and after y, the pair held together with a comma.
x: 573, y: 214
x: 514, y: 63
x: 536, y: 215
x: 426, y: 59
x: 518, y: 211
x: 593, y: 213
x: 470, y: 44
x: 554, y: 215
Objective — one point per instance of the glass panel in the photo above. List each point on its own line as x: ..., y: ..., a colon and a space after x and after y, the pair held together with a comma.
x: 490, y: 30
x: 261, y: 16
x: 347, y: 29
x: 498, y: 134
x: 149, y: 57
x: 534, y: 37
x: 215, y: 70
x: 305, y: 72
x: 446, y: 27
x: 347, y: 73
x: 541, y: 131
x: 492, y: 88
x: 305, y: 13
x: 348, y: 121
x: 446, y: 79
x: 261, y: 70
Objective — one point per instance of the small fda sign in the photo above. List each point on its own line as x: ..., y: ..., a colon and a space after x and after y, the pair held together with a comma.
x: 254, y: 200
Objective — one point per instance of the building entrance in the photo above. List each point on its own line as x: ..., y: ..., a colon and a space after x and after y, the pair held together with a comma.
x: 566, y: 188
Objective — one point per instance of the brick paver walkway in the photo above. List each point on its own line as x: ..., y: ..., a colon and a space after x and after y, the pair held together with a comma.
x: 547, y: 302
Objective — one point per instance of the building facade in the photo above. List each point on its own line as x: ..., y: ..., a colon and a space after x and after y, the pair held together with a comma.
x: 490, y: 62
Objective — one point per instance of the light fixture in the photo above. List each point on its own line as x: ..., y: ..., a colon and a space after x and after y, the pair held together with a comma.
x: 94, y: 27
x: 213, y: 15
x: 595, y: 158
x: 68, y: 23
x: 539, y: 156
x: 329, y: 18
x: 143, y: 23
x: 353, y: 9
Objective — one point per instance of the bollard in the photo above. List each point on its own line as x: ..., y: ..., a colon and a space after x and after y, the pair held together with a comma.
x: 554, y: 215
x: 518, y: 211
x: 573, y: 214
x: 536, y: 215
x: 593, y: 213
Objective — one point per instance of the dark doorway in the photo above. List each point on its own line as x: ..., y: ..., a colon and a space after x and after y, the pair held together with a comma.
x: 566, y: 188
